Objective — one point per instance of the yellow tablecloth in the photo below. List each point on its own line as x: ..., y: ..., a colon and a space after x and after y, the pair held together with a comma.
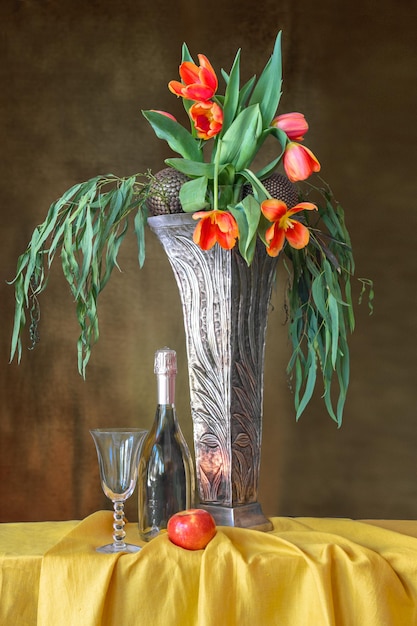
x: 306, y: 572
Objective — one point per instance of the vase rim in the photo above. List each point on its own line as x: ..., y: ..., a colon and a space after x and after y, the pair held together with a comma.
x: 170, y: 219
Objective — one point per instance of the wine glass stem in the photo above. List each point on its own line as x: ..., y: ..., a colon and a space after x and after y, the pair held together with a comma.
x: 119, y: 532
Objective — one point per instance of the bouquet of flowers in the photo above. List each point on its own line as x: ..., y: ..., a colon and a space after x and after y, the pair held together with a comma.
x: 213, y: 178
x: 238, y: 122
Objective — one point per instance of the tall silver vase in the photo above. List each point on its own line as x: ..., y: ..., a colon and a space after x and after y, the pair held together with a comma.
x: 225, y: 305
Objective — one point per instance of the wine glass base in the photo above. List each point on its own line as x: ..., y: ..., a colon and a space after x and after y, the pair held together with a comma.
x: 111, y: 548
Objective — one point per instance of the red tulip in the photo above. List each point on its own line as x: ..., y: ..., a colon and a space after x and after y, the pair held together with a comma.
x: 199, y: 82
x: 215, y: 227
x: 299, y: 162
x: 207, y: 118
x: 294, y: 125
x: 283, y: 227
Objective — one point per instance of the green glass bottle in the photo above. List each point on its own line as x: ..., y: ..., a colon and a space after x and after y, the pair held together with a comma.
x: 166, y: 482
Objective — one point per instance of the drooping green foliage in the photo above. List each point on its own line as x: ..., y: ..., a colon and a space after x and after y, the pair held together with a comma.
x: 320, y: 307
x: 87, y: 225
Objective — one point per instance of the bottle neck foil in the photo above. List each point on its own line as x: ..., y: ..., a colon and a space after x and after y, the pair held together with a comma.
x: 166, y: 388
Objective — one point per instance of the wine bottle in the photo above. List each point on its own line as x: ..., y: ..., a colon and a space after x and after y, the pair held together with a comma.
x: 166, y: 482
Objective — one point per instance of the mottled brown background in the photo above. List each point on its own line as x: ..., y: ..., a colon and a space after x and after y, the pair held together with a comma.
x: 74, y: 77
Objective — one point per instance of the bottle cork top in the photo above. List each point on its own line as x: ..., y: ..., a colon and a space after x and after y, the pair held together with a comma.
x: 165, y: 361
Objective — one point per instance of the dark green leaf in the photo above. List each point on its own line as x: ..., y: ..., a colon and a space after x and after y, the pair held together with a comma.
x: 193, y: 195
x: 192, y: 169
x: 268, y: 169
x: 246, y: 214
x: 311, y: 368
x: 245, y: 92
x: 267, y: 91
x: 231, y: 96
x: 334, y: 318
x: 177, y: 137
x: 258, y: 190
x: 238, y: 145
x: 186, y: 56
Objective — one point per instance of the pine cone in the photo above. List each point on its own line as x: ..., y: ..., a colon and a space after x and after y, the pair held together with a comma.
x: 164, y: 192
x: 280, y: 188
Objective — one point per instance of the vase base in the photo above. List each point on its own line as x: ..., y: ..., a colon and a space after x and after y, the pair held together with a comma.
x: 242, y: 516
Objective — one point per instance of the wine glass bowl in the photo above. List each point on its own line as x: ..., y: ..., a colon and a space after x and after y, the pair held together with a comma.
x: 118, y: 456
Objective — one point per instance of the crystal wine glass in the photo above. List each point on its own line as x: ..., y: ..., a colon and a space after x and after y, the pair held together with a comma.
x: 118, y: 456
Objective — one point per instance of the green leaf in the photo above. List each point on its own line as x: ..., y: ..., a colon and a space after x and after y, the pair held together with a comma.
x: 259, y: 191
x: 69, y: 262
x: 350, y: 312
x: 319, y: 292
x: 113, y: 245
x: 268, y: 169
x: 267, y: 91
x: 19, y: 320
x: 119, y: 197
x: 177, y: 137
x: 193, y: 195
x: 245, y: 92
x: 192, y: 169
x: 33, y: 258
x: 87, y: 251
x: 238, y: 144
x: 227, y: 176
x: 231, y: 96
x: 247, y: 214
x: 327, y: 395
x: 334, y: 318
x: 343, y: 374
x: 140, y: 223
x: 311, y: 368
x: 186, y: 56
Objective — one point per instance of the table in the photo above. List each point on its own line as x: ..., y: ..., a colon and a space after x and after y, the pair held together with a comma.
x: 305, y: 572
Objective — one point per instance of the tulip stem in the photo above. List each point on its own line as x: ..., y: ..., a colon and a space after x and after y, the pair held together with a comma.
x: 216, y: 179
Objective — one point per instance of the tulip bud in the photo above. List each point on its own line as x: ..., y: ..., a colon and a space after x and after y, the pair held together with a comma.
x: 294, y: 125
x: 299, y: 162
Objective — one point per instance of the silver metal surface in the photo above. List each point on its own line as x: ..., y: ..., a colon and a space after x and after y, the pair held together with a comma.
x: 244, y: 515
x: 225, y: 305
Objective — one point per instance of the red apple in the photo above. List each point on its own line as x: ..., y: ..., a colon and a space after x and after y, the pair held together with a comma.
x: 191, y: 529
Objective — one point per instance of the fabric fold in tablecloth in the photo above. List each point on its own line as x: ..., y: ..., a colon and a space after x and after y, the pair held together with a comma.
x: 306, y: 572
x: 75, y: 577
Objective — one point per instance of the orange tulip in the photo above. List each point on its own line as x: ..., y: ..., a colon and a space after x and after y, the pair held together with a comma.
x: 283, y: 227
x: 199, y: 82
x: 294, y: 125
x: 299, y: 162
x: 207, y: 118
x: 215, y: 227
